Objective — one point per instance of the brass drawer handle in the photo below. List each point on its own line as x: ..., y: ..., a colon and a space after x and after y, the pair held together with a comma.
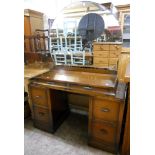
x: 105, y: 110
x: 103, y: 131
x: 41, y: 113
x: 87, y: 88
x: 37, y: 96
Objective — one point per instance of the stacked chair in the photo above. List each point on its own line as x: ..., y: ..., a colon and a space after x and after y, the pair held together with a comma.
x: 66, y: 45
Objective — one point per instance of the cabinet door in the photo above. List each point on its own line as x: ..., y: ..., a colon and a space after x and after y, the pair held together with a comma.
x: 36, y: 23
x: 27, y: 26
x: 27, y: 32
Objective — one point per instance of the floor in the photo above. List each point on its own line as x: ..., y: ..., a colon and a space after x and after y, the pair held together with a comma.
x: 69, y: 139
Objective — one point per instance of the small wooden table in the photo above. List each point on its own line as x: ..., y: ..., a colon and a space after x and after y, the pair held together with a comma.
x: 31, y: 73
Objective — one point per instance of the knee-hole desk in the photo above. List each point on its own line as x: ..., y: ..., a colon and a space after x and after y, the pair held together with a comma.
x: 49, y: 102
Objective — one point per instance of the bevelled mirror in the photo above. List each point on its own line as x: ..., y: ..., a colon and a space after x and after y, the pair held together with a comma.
x: 76, y: 30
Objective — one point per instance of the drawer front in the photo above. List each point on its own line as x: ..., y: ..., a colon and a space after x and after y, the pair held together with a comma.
x: 100, y: 60
x: 113, y: 66
x: 41, y: 114
x: 116, y: 48
x: 113, y: 61
x: 101, y: 54
x: 104, y: 146
x: 44, y: 126
x: 100, y: 65
x: 104, y: 132
x: 114, y: 54
x: 39, y: 96
x: 101, y: 47
x: 105, y: 110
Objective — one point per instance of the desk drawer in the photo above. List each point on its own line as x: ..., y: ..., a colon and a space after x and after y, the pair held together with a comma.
x: 105, y: 110
x: 116, y: 48
x: 44, y: 126
x: 101, y: 47
x: 113, y: 61
x: 100, y: 65
x: 101, y: 54
x: 41, y: 114
x: 98, y: 60
x: 114, y: 54
x: 103, y: 145
x: 39, y: 96
x: 104, y: 132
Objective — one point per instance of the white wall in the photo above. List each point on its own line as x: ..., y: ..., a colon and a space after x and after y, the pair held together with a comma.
x: 52, y: 7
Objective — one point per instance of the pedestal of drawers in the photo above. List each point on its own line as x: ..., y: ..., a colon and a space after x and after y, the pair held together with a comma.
x: 105, y: 124
x: 49, y: 108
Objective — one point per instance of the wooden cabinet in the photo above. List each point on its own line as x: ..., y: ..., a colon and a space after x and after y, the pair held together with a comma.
x: 124, y: 19
x: 105, y: 123
x: 123, y: 14
x: 27, y: 26
x: 106, y: 54
x: 32, y: 20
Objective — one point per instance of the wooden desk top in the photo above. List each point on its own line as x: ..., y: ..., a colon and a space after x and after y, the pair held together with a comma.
x: 32, y: 72
x: 81, y: 78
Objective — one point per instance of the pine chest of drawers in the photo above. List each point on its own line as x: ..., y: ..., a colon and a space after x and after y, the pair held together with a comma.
x: 106, y: 54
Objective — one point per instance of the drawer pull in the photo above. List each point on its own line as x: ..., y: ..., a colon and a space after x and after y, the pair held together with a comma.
x: 103, y: 131
x: 41, y: 113
x: 37, y: 96
x: 87, y: 88
x: 105, y: 110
